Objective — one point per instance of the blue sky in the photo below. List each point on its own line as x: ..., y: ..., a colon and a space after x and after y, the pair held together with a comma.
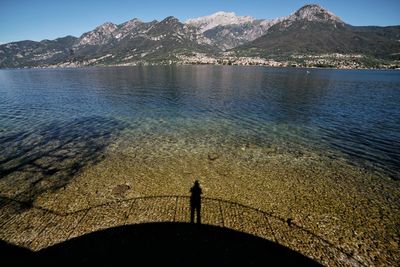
x: 49, y: 19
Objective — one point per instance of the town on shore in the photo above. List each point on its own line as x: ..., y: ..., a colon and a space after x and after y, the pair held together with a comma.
x: 333, y: 60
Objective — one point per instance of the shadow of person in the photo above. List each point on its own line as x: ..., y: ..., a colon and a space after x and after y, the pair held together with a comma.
x: 174, y: 244
x: 195, y: 202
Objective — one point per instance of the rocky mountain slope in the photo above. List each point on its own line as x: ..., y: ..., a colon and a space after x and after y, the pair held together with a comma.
x: 30, y: 53
x: 314, y: 30
x: 309, y: 31
x: 218, y: 19
x: 226, y: 30
x: 136, y: 40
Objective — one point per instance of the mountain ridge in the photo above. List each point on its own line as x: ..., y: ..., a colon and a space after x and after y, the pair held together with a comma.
x: 220, y: 18
x: 317, y: 30
x: 221, y: 36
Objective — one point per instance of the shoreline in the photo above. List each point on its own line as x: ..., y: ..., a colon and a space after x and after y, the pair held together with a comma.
x: 204, y: 64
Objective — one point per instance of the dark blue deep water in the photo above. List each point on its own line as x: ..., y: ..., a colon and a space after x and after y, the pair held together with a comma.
x: 352, y: 114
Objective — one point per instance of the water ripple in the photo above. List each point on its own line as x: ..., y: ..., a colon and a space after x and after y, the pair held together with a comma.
x: 350, y: 114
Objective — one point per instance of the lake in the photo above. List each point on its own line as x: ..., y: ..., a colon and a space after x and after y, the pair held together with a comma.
x: 347, y: 114
x: 320, y: 148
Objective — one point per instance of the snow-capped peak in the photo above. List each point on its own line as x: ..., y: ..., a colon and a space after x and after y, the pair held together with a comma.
x: 219, y: 18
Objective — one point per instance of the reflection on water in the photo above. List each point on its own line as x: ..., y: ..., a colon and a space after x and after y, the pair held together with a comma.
x: 47, y: 157
x: 351, y: 114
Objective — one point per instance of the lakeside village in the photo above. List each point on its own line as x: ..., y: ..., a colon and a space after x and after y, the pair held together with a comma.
x: 333, y: 60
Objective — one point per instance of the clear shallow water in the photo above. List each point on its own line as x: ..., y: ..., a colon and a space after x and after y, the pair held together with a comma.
x: 347, y: 114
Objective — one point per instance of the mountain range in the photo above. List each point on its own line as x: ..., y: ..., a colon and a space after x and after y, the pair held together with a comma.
x: 307, y: 37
